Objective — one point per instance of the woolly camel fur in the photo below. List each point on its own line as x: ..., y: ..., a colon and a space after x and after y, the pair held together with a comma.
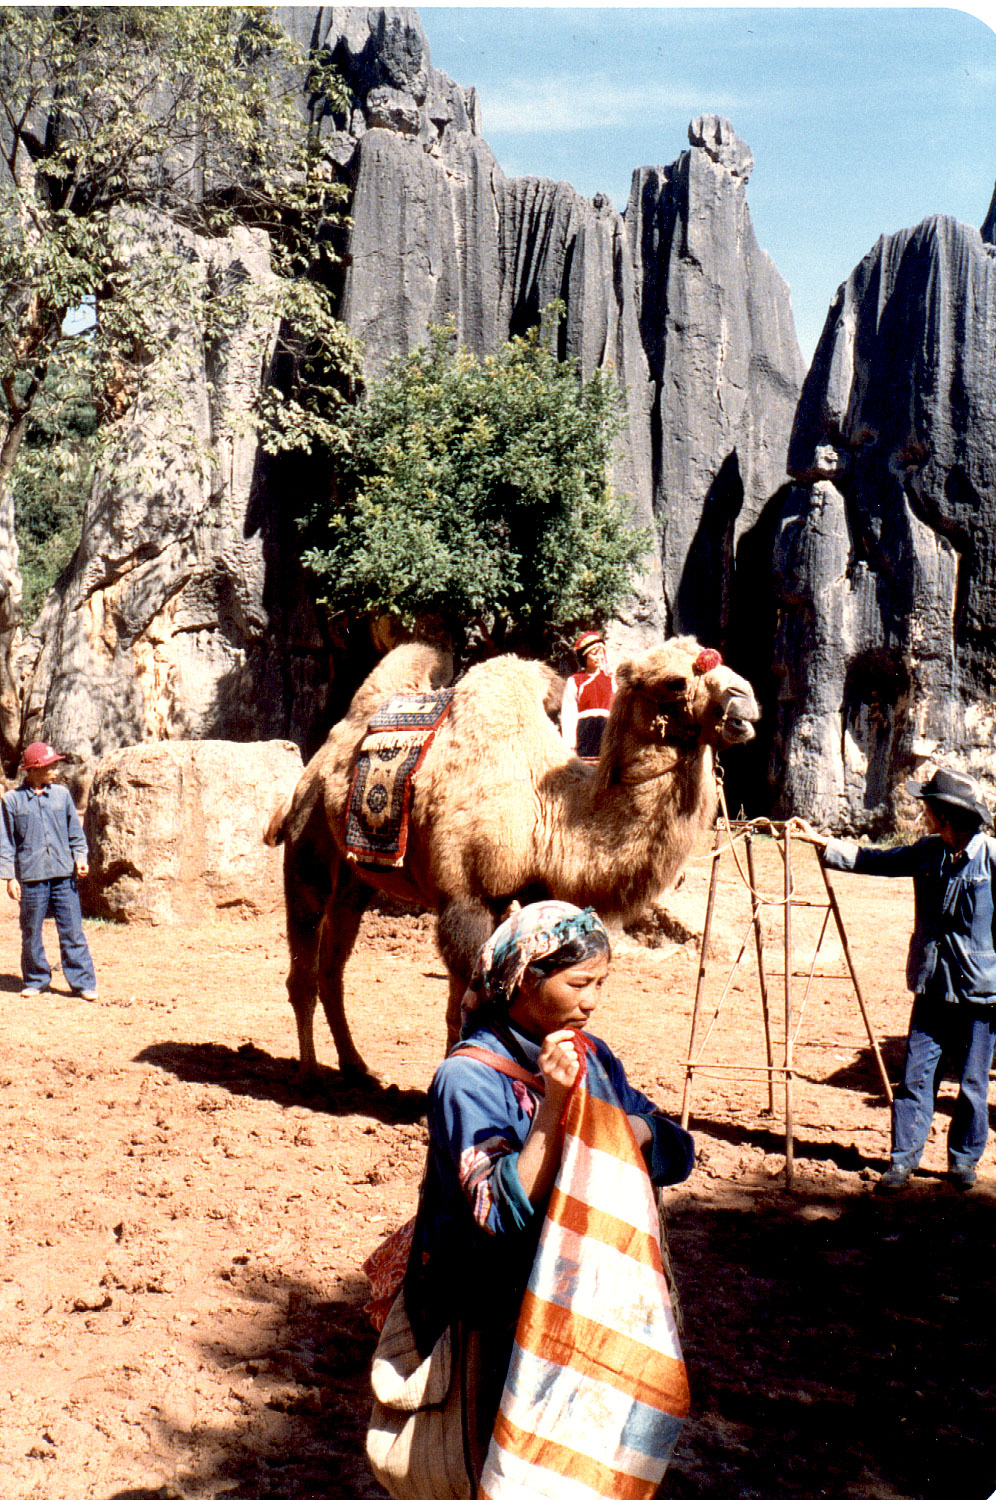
x: 502, y: 811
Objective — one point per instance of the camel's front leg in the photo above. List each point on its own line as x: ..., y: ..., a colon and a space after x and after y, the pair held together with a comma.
x: 454, y: 1002
x: 346, y: 906
x: 306, y: 893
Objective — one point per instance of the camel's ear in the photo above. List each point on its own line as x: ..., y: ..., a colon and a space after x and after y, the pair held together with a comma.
x: 553, y: 689
x: 625, y: 674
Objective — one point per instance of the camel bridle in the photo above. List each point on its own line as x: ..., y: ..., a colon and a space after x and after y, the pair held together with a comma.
x: 674, y: 726
x: 669, y: 733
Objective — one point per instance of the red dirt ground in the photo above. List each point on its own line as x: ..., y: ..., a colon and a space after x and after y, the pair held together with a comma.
x: 183, y: 1223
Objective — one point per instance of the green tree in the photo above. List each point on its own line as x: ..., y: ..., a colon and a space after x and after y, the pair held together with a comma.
x: 117, y: 123
x: 109, y: 115
x: 51, y: 484
x: 474, y: 492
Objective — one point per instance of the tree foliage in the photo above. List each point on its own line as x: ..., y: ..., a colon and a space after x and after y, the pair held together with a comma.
x: 475, y: 492
x: 51, y: 485
x: 117, y: 122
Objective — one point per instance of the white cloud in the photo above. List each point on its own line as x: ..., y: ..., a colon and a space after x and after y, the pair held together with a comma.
x: 564, y: 103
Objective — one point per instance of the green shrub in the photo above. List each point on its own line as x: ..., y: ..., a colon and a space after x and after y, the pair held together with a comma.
x: 475, y: 492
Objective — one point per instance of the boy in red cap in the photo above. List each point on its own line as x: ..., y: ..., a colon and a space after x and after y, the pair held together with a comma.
x: 42, y: 852
x: 588, y: 697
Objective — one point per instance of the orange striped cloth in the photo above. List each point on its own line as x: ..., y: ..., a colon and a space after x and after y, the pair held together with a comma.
x: 596, y: 1391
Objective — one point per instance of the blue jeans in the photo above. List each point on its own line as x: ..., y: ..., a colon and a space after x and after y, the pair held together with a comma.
x: 962, y: 1036
x: 60, y: 899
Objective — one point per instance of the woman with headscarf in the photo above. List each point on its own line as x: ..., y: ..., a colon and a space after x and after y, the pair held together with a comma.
x: 495, y: 1117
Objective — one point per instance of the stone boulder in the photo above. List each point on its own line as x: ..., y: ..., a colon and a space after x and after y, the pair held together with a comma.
x: 884, y: 556
x: 176, y: 829
x: 390, y: 109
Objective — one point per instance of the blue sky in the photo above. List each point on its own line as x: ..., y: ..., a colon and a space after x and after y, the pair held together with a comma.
x: 861, y: 121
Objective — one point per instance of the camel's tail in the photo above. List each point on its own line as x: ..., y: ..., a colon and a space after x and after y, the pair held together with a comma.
x: 273, y: 833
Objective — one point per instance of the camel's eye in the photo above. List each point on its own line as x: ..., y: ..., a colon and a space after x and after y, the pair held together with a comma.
x: 672, y: 685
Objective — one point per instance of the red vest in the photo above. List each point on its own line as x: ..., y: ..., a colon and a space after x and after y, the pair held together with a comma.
x: 595, y: 691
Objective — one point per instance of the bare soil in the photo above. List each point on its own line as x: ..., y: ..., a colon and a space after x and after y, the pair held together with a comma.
x: 183, y: 1222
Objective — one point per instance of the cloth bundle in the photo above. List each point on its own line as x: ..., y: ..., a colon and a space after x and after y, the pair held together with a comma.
x: 596, y: 1391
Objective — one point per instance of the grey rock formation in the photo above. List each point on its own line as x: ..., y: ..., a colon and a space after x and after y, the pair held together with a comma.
x: 989, y: 224
x: 884, y: 556
x: 716, y: 324
x: 676, y: 297
x: 391, y: 110
x: 176, y: 830
x: 159, y: 631
x: 184, y: 614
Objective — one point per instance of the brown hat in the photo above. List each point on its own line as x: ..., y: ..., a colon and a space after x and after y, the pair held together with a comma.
x: 953, y: 787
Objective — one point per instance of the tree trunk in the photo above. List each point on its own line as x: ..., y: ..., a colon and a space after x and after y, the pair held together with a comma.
x: 10, y: 600
x: 10, y: 630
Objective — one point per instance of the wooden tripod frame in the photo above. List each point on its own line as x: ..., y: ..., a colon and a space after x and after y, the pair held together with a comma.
x: 734, y: 831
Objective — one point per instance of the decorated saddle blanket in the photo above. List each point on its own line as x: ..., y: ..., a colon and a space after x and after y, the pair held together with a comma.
x: 596, y: 1391
x: 396, y: 743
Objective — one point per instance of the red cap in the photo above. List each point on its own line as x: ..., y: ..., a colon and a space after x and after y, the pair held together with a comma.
x: 39, y: 754
x: 707, y: 658
x: 586, y: 640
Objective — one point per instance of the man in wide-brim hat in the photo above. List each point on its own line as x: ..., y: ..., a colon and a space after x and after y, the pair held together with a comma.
x: 951, y: 789
x: 951, y: 970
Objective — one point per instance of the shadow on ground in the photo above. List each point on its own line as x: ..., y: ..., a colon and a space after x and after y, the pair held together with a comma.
x: 248, y: 1071
x: 862, y: 1074
x: 771, y: 1140
x: 304, y: 1385
x: 836, y: 1348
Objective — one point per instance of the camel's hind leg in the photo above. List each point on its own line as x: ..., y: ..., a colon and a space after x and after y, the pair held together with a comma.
x: 346, y: 906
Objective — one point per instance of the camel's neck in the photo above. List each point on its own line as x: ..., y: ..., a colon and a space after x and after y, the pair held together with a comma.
x: 627, y: 833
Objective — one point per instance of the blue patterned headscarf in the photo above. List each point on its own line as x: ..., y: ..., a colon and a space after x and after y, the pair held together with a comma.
x: 538, y: 935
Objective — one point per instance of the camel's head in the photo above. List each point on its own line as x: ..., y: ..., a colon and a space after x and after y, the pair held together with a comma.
x: 680, y: 694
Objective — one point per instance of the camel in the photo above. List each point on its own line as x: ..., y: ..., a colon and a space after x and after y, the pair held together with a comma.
x: 502, y: 811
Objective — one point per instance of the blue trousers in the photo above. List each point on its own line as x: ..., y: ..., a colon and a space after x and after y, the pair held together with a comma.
x: 59, y: 899
x: 962, y: 1037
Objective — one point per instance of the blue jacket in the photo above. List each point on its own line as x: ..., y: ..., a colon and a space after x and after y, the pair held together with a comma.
x: 41, y: 837
x: 477, y: 1231
x: 953, y: 947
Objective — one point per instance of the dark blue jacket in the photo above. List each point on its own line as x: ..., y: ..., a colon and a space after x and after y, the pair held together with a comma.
x: 477, y: 1230
x: 953, y: 947
x: 41, y: 837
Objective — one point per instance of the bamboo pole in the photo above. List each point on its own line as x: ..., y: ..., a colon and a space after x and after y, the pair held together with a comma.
x: 686, y: 1097
x: 755, y: 911
x: 832, y: 896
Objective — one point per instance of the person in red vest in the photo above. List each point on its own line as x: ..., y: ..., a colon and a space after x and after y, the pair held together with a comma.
x: 588, y: 697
